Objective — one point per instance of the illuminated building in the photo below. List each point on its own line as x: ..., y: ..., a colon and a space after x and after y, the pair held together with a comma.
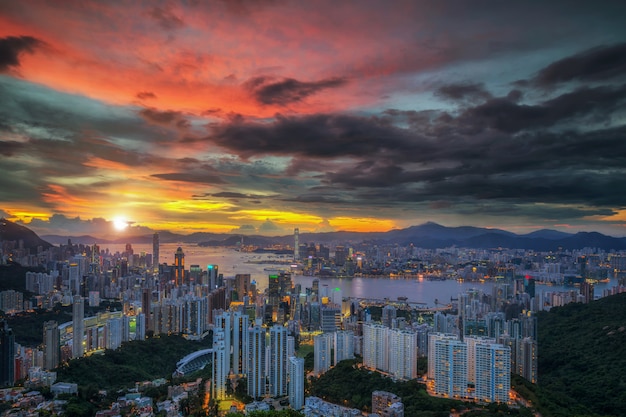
x: 155, y: 252
x: 493, y: 372
x: 278, y: 361
x: 344, y: 346
x: 402, y: 354
x: 179, y: 267
x: 296, y: 244
x: 256, y: 362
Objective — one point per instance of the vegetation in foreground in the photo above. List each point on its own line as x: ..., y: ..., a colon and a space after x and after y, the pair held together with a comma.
x: 582, y: 368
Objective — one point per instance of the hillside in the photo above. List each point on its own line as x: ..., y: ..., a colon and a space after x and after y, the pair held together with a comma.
x: 581, y: 357
x: 10, y: 231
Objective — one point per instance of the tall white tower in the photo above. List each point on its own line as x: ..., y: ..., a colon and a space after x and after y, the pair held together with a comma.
x: 220, y: 365
x: 296, y: 244
x: 78, y: 327
x: 296, y: 382
x: 256, y: 362
x: 278, y: 361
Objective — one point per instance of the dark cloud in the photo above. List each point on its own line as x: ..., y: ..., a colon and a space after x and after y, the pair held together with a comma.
x: 166, y: 18
x: 227, y: 194
x: 320, y: 136
x: 9, y: 148
x: 12, y: 47
x: 591, y: 104
x: 145, y: 95
x: 596, y: 64
x: 466, y: 91
x: 192, y: 177
x: 267, y: 90
x: 167, y: 117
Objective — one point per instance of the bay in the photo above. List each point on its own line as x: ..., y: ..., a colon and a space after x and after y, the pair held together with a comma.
x: 231, y: 262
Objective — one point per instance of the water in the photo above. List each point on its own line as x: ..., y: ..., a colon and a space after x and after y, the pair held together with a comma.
x: 231, y: 262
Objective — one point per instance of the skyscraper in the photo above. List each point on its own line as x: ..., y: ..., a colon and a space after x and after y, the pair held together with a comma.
x: 296, y: 382
x: 321, y: 352
x: 375, y: 346
x: 493, y: 372
x: 256, y: 362
x: 296, y: 244
x: 179, y: 267
x: 403, y: 354
x: 78, y: 326
x: 448, y: 363
x: 52, y: 349
x: 220, y: 365
x: 7, y: 355
x: 278, y: 361
x: 155, y: 252
x: 344, y: 346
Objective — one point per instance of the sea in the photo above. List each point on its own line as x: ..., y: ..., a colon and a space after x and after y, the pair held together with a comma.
x: 260, y: 265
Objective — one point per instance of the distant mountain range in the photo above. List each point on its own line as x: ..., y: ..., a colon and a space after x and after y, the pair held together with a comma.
x: 428, y: 235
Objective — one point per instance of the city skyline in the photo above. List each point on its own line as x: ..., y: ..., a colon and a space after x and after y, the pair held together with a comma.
x: 262, y: 117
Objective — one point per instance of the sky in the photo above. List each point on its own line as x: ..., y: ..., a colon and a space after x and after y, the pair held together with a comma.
x: 261, y: 116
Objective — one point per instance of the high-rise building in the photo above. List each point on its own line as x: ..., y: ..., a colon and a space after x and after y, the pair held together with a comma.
x: 344, y: 346
x: 296, y: 382
x: 220, y: 365
x: 155, y: 252
x: 375, y: 346
x: 402, y: 354
x: 296, y: 244
x: 7, y: 355
x: 527, y: 359
x: 242, y: 285
x: 78, y: 327
x: 179, y: 267
x: 256, y: 362
x: 278, y: 361
x: 321, y: 352
x: 212, y: 275
x: 52, y: 348
x: 389, y: 314
x: 493, y: 372
x: 447, y: 363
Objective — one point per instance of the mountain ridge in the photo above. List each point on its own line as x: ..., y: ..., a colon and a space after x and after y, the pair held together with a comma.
x: 429, y: 235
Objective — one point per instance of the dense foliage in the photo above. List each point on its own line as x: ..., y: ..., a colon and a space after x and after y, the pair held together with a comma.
x: 132, y: 362
x: 582, y: 367
x: 350, y: 385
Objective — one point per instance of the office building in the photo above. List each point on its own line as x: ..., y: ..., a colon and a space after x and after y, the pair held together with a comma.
x: 155, y: 252
x: 179, y: 267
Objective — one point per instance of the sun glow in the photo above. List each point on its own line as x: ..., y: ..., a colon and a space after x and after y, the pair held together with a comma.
x: 120, y: 223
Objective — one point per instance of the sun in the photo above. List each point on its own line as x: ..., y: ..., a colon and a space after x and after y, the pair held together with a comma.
x: 120, y: 223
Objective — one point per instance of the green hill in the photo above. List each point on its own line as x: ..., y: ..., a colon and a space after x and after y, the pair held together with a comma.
x: 582, y: 360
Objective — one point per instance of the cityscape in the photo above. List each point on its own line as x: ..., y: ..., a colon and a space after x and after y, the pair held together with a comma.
x: 472, y: 342
x: 312, y: 208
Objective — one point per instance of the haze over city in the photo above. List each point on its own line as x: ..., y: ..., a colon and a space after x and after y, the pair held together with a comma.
x: 259, y: 117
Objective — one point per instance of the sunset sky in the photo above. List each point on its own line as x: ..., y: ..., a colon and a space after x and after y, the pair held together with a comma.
x: 261, y: 116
